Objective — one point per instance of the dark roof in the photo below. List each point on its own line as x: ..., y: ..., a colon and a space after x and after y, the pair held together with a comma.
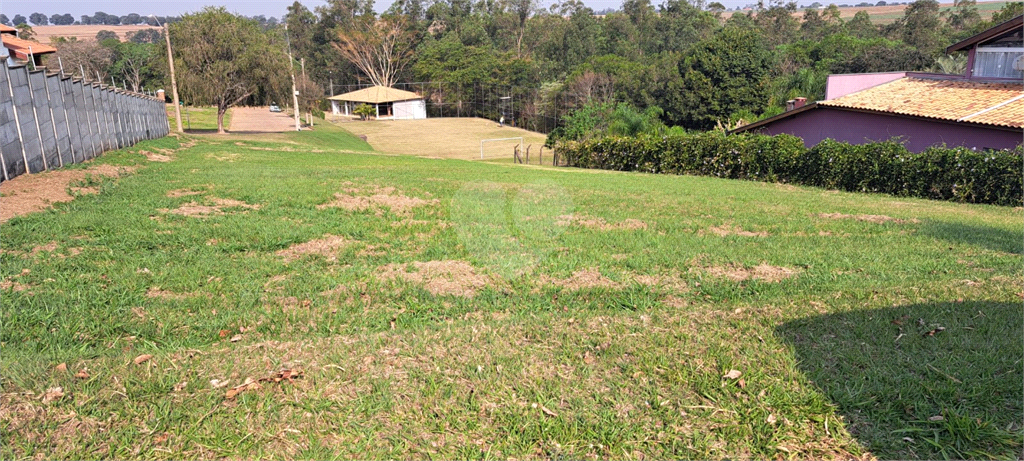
x: 988, y: 34
x: 950, y: 100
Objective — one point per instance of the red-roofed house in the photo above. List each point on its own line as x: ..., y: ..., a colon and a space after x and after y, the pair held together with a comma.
x: 982, y: 109
x: 18, y: 49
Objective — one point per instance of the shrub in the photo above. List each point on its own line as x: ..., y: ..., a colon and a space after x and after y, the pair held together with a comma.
x: 364, y: 111
x: 957, y: 174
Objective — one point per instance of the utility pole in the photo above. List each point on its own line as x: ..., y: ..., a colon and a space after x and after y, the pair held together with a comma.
x: 309, y: 112
x: 174, y: 82
x: 291, y: 68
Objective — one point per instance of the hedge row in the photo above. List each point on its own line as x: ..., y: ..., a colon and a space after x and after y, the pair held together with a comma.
x: 956, y: 174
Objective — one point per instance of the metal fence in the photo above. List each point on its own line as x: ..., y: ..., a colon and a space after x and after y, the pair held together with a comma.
x: 50, y: 120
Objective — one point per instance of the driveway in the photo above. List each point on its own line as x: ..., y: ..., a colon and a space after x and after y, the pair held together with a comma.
x: 260, y: 120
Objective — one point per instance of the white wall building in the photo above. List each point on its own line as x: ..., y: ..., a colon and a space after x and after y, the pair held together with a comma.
x: 389, y: 103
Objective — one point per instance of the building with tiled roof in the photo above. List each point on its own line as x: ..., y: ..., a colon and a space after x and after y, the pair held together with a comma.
x: 983, y: 109
x: 389, y: 103
x: 19, y: 49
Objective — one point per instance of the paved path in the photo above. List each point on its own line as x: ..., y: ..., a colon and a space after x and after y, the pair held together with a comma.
x: 260, y: 120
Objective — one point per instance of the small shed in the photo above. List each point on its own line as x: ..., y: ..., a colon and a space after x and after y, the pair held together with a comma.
x: 389, y: 103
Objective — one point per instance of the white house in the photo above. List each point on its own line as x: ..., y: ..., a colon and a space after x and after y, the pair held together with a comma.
x: 389, y: 103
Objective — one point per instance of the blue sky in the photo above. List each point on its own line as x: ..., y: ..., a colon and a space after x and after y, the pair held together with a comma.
x: 247, y: 7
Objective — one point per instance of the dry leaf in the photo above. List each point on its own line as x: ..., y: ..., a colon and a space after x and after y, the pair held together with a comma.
x: 742, y: 383
x: 82, y: 374
x: 61, y: 367
x: 588, y: 358
x: 547, y: 411
x: 733, y: 374
x: 142, y: 359
x: 180, y: 386
x: 772, y: 419
x: 249, y: 384
x: 937, y: 330
x: 161, y: 438
x: 937, y: 418
x: 53, y: 394
x: 236, y: 338
x: 282, y: 375
x: 218, y: 383
x: 224, y: 333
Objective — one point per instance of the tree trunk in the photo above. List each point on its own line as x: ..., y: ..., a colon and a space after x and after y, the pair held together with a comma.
x: 220, y: 119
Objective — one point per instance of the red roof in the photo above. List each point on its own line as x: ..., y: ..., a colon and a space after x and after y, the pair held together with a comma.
x: 20, y: 47
x: 7, y: 29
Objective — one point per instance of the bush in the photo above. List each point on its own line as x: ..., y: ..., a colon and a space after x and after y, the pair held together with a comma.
x: 957, y: 174
x: 364, y: 111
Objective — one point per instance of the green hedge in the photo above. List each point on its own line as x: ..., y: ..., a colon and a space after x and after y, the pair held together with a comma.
x: 957, y: 174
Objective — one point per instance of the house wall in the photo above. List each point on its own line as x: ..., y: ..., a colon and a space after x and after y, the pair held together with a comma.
x: 823, y: 123
x: 47, y: 121
x: 410, y: 110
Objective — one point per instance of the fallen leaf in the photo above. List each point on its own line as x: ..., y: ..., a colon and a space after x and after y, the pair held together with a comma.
x: 236, y: 338
x: 937, y: 418
x: 224, y: 333
x: 742, y: 383
x: 180, y: 386
x: 82, y: 374
x: 282, y: 375
x: 588, y: 358
x: 53, y: 394
x: 933, y: 332
x: 161, y: 438
x: 733, y: 374
x: 772, y: 419
x: 219, y: 383
x: 142, y: 359
x: 908, y: 439
x: 61, y: 367
x: 249, y: 384
x: 547, y: 411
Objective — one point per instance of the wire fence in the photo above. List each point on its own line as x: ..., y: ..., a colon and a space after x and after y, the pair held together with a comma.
x: 533, y: 109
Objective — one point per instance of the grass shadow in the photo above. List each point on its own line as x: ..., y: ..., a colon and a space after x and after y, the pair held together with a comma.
x: 921, y: 381
x: 984, y: 236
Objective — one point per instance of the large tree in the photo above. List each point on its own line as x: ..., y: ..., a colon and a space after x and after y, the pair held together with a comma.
x: 223, y: 59
x: 38, y: 19
x: 379, y: 48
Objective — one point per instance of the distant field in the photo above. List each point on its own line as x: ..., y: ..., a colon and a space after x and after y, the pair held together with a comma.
x: 45, y: 33
x: 890, y: 13
x: 443, y: 137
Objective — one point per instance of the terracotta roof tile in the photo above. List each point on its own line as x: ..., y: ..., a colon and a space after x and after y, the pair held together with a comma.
x: 7, y: 29
x: 20, y: 47
x: 958, y: 100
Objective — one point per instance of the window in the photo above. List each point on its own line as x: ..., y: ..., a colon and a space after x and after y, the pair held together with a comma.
x: 997, y: 61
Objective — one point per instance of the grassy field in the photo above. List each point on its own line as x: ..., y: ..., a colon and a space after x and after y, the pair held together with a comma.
x: 454, y: 138
x: 888, y: 14
x: 197, y: 119
x: 299, y: 295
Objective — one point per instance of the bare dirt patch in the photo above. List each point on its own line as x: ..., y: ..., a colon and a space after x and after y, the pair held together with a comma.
x: 727, y: 229
x: 158, y: 293
x: 873, y: 218
x: 457, y: 278
x: 673, y: 282
x: 155, y: 157
x: 44, y: 34
x: 327, y: 247
x: 34, y: 192
x: 184, y: 193
x: 33, y: 423
x: 600, y: 223
x: 582, y: 280
x: 387, y: 197
x: 16, y: 286
x: 738, y: 273
x: 197, y: 210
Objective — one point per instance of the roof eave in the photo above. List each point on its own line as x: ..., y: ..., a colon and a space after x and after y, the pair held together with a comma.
x: 996, y: 30
x: 773, y: 119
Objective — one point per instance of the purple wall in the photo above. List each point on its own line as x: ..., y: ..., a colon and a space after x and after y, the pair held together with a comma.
x: 817, y: 124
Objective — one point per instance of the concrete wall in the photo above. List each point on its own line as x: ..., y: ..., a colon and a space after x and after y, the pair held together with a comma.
x: 48, y: 121
x: 917, y: 134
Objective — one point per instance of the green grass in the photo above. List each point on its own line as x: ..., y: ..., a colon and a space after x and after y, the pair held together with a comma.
x: 524, y: 360
x: 197, y: 118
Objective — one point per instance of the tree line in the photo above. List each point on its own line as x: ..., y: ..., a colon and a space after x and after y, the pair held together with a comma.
x: 681, y: 64
x: 101, y: 18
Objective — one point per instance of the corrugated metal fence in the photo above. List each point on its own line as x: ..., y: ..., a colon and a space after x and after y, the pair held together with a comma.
x: 48, y: 121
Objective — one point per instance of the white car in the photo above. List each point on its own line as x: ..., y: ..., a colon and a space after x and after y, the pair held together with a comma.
x: 275, y: 108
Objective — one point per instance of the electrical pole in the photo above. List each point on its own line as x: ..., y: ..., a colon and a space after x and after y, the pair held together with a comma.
x: 174, y: 82
x: 291, y: 68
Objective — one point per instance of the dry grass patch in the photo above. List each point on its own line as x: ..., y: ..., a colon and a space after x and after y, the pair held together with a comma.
x: 159, y: 293
x: 600, y: 223
x: 738, y: 273
x: 457, y: 278
x: 155, y: 157
x: 672, y: 282
x: 197, y: 210
x: 184, y: 193
x: 386, y: 197
x: 872, y: 218
x: 44, y: 425
x: 327, y: 247
x: 728, y: 229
